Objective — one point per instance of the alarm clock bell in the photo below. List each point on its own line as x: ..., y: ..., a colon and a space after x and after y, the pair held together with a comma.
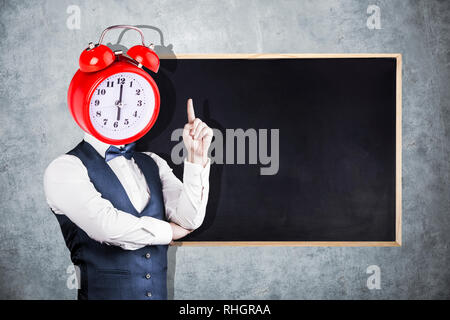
x: 97, y: 57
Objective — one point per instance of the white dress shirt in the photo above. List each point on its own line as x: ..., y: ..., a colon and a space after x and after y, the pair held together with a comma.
x: 70, y: 192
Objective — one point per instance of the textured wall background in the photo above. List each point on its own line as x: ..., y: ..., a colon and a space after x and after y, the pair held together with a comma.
x: 39, y: 55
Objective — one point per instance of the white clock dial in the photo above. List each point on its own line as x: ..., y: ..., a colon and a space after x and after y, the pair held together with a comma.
x: 122, y: 105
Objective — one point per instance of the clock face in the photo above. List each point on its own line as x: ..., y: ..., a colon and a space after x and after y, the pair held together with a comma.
x: 122, y: 105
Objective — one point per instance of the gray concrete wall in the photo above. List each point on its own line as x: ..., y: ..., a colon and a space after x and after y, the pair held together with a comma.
x: 39, y: 55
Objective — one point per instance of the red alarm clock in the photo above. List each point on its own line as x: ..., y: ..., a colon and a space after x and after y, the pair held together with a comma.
x: 111, y: 97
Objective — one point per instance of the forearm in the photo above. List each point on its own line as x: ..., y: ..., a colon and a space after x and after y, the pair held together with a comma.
x: 191, y: 207
x: 104, y: 223
x: 119, y: 228
x: 186, y: 202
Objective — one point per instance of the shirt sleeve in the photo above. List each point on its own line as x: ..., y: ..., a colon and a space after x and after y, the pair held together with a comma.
x: 185, y: 201
x: 69, y: 191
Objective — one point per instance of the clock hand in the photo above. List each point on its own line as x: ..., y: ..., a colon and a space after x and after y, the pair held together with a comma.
x: 119, y: 104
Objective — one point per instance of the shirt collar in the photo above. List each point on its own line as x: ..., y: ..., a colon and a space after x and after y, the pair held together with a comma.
x: 98, y: 145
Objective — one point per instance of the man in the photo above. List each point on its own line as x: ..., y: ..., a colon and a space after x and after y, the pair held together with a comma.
x: 119, y: 209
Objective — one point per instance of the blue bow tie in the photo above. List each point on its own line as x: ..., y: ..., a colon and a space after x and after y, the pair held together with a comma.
x: 126, y: 151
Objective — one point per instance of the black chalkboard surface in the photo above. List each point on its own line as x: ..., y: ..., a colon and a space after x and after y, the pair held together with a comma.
x: 336, y: 122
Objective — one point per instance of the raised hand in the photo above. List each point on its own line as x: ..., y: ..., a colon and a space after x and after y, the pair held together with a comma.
x: 197, y: 137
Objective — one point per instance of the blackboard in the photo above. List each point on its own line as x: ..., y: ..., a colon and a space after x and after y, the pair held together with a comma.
x: 338, y: 118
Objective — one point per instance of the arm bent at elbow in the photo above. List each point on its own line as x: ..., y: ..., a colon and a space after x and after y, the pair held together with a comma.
x: 186, y: 201
x: 69, y: 191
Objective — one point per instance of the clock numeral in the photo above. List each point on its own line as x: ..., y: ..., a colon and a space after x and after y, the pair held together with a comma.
x: 96, y: 102
x: 138, y: 92
x: 98, y: 114
x: 110, y: 84
x: 101, y: 91
x: 139, y: 103
x: 131, y: 84
x: 116, y: 124
x: 105, y: 121
x: 126, y: 122
x: 135, y: 113
x: 121, y: 81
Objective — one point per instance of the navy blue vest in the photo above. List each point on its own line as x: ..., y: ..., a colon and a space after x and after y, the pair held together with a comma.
x: 109, y: 272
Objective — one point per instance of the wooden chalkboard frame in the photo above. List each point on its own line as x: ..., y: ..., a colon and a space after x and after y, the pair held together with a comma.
x: 398, y: 165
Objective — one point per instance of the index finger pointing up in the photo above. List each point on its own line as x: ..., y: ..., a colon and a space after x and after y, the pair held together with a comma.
x: 190, y: 111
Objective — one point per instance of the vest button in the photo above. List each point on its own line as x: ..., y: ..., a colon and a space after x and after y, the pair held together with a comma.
x: 149, y: 294
x: 148, y: 276
x: 147, y: 255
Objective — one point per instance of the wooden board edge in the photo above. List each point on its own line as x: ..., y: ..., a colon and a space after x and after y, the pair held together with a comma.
x: 277, y: 55
x: 287, y: 243
x: 398, y: 158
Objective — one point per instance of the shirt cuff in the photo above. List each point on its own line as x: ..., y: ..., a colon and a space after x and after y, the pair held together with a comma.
x: 160, y: 229
x: 195, y: 173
